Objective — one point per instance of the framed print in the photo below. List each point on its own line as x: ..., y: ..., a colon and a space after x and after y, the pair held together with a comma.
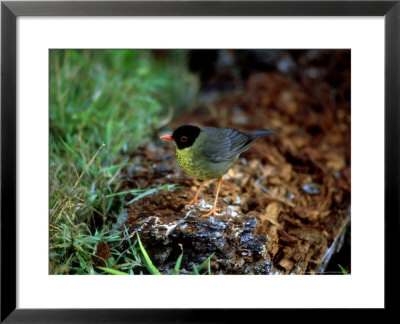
x: 184, y: 152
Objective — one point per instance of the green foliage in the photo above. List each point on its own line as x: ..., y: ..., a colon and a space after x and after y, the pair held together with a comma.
x: 152, y: 269
x: 116, y: 97
x: 178, y: 262
x: 343, y: 270
x: 207, y: 262
x: 73, y: 248
x: 112, y: 271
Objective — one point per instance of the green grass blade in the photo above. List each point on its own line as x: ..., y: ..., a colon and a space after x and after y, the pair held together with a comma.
x: 69, y: 148
x: 154, y: 190
x: 110, y: 262
x: 178, y: 262
x: 114, y: 167
x: 201, y: 266
x: 152, y: 269
x: 82, y: 262
x: 113, y: 272
x: 343, y: 270
x: 142, y: 195
x: 122, y: 193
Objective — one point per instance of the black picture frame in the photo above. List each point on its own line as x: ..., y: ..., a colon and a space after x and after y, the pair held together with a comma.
x: 10, y: 10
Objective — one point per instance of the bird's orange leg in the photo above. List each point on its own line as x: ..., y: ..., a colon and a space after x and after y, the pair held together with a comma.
x: 194, y: 201
x: 214, y: 208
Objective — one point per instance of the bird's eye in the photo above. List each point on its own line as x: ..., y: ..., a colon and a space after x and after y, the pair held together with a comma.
x: 183, y: 139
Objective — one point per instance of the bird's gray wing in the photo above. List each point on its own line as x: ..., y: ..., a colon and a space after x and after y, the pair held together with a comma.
x: 226, y: 144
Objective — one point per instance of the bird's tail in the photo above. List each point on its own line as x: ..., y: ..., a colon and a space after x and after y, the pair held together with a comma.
x: 260, y: 133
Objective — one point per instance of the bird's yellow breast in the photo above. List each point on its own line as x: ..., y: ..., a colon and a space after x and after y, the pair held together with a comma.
x: 192, y: 163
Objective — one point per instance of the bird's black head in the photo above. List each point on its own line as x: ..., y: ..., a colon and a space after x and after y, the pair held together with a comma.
x: 184, y: 136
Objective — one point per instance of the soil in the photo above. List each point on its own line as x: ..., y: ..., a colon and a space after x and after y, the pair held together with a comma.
x: 286, y: 201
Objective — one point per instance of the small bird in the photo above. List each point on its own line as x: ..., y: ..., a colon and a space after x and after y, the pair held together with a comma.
x: 208, y: 153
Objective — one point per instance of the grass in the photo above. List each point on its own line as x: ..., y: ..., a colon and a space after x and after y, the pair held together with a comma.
x: 344, y: 271
x: 103, y: 105
x: 143, y: 260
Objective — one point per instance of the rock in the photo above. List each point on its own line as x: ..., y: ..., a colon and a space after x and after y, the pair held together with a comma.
x: 268, y: 241
x: 230, y: 235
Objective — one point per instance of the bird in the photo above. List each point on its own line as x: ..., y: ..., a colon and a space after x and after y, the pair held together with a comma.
x: 208, y: 153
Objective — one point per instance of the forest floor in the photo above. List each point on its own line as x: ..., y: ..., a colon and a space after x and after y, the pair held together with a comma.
x: 285, y: 202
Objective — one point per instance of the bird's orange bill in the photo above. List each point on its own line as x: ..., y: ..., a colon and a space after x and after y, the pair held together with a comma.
x: 167, y: 137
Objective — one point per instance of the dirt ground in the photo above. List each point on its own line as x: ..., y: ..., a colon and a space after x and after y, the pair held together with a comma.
x: 285, y: 202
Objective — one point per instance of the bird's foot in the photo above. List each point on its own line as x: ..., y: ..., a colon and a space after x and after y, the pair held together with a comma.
x: 212, y: 211
x: 193, y: 202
